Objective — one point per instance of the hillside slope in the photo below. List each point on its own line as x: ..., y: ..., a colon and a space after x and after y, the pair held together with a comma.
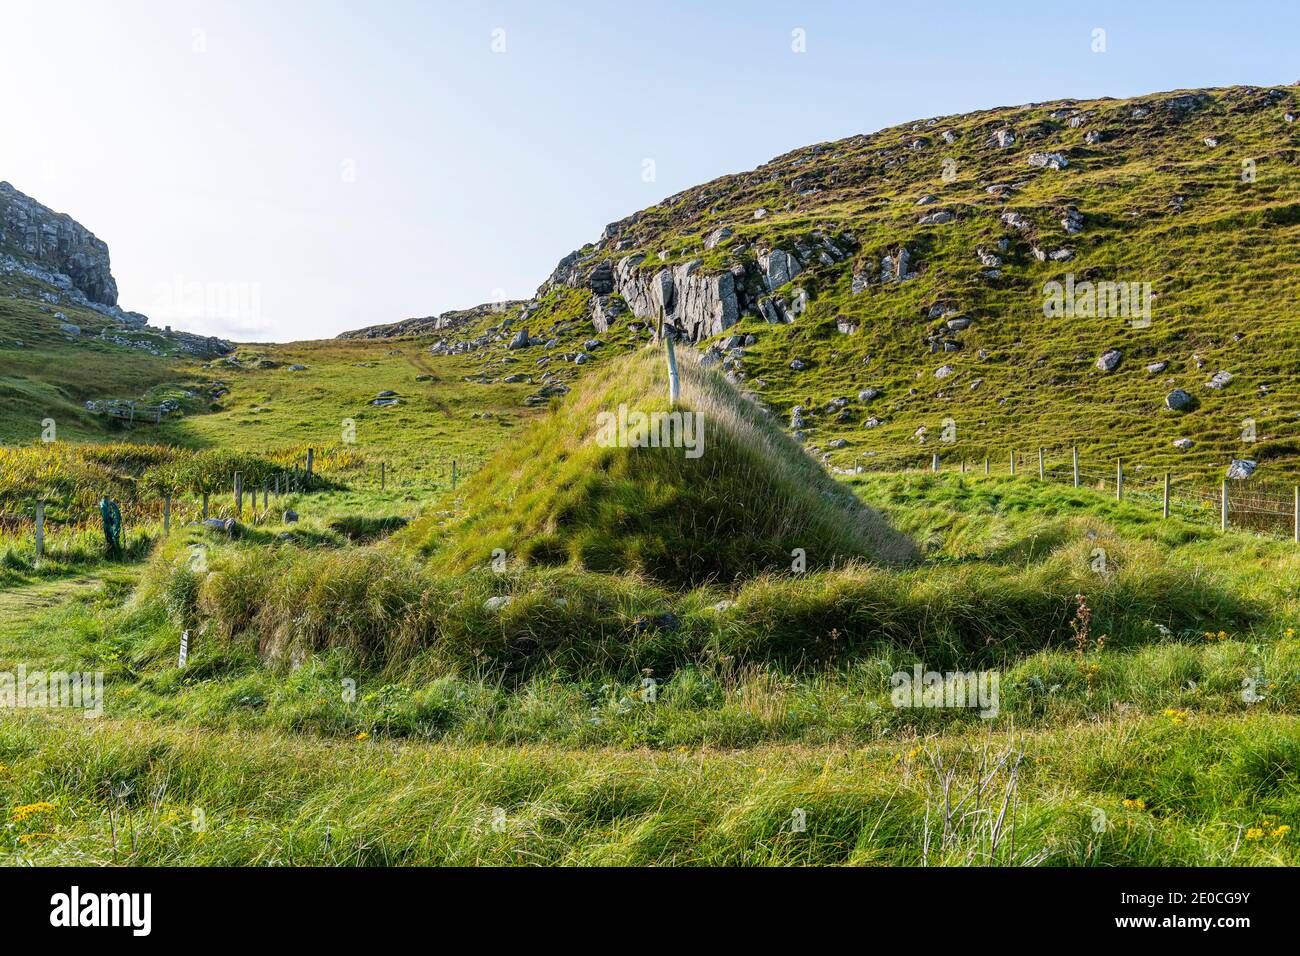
x: 593, y: 486
x: 891, y: 294
x: 65, y: 341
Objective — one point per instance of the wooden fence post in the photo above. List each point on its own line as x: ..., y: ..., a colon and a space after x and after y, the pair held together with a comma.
x: 1223, y: 506
x: 1013, y: 463
x: 1074, y: 453
x: 383, y: 476
x: 311, y: 461
x: 40, y: 528
x: 986, y: 466
x: 239, y: 495
x: 963, y: 466
x: 453, y: 474
x: 934, y: 462
x: 167, y: 515
x: 1119, y: 480
x: 1040, y: 464
x: 1164, y: 511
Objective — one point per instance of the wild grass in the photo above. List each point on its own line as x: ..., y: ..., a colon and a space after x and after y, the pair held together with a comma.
x: 400, y: 722
x: 146, y: 794
x: 751, y: 501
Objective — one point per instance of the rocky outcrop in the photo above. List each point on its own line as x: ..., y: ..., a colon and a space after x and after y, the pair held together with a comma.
x: 778, y: 267
x: 434, y: 323
x: 698, y: 304
x: 53, y: 248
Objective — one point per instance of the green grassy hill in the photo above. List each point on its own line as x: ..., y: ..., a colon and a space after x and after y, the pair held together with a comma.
x: 735, y: 498
x: 964, y: 342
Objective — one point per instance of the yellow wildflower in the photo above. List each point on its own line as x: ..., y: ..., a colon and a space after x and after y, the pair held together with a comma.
x: 1282, y: 831
x: 19, y: 814
x: 1254, y: 833
x: 1138, y: 804
x: 363, y: 735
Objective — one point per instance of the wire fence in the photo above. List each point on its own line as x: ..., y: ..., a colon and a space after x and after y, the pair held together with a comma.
x: 239, y: 500
x: 1241, y: 504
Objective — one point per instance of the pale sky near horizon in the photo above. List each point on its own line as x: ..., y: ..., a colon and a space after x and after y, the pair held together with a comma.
x: 291, y: 169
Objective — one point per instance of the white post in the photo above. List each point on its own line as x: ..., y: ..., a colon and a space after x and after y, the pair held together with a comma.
x: 1075, y: 455
x: 674, y: 383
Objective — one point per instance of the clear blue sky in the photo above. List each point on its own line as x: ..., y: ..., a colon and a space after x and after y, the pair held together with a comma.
x: 285, y: 170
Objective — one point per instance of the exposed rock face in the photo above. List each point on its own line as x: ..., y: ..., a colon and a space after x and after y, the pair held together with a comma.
x: 434, y: 323
x: 778, y: 268
x: 706, y: 305
x: 698, y: 304
x: 53, y: 248
x: 38, y: 241
x: 605, y: 310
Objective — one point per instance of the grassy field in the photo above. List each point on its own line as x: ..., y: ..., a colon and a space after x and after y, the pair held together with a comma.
x: 360, y: 754
x: 585, y: 654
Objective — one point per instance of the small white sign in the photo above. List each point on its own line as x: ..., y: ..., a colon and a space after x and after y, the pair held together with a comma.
x: 185, y: 648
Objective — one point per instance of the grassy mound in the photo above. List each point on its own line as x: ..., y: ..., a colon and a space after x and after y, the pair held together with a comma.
x: 744, y: 500
x: 387, y: 611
